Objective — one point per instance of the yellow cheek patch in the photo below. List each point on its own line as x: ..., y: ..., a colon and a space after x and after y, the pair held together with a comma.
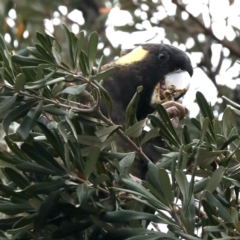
x: 134, y: 56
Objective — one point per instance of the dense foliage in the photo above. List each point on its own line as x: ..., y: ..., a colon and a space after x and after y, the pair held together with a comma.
x: 64, y: 179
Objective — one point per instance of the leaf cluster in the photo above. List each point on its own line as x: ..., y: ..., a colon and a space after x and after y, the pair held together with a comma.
x: 63, y: 177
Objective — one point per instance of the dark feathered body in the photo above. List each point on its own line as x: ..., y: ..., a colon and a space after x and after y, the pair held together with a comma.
x: 159, y: 60
x: 145, y: 66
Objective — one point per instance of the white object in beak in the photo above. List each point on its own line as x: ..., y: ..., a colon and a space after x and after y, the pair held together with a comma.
x: 179, y: 79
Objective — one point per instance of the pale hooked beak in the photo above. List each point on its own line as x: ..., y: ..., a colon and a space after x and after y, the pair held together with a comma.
x: 174, y: 86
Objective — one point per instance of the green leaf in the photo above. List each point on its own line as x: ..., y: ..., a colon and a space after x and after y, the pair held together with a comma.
x: 15, y: 149
x: 122, y: 216
x: 44, y: 42
x: 42, y: 157
x: 16, y: 114
x: 70, y: 45
x: 27, y: 61
x: 74, y: 90
x: 83, y: 64
x: 206, y: 111
x: 53, y: 140
x: 46, y: 209
x: 186, y: 135
x: 16, y: 177
x: 186, y: 236
x: 130, y: 116
x: 149, y: 135
x: 218, y: 207
x: 136, y: 129
x: 136, y: 234
x: 19, y: 84
x: 200, y: 185
x: 167, y: 122
x: 164, y: 131
x: 215, y: 179
x: 7, y: 105
x: 82, y: 194
x: 104, y: 132
x: 160, y: 181
x: 44, y: 53
x: 102, y: 75
x: 106, y: 97
x: 54, y: 110
x: 126, y: 162
x: 205, y: 125
x: 56, y: 50
x: 44, y: 187
x: 34, y: 168
x: 183, y: 185
x: 139, y: 189
x: 13, y: 209
x: 29, y: 121
x: 92, y: 49
x: 92, y: 161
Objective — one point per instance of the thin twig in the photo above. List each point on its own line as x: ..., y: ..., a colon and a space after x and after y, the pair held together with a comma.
x: 125, y: 137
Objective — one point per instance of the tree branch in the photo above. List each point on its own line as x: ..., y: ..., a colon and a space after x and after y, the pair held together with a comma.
x: 208, y: 31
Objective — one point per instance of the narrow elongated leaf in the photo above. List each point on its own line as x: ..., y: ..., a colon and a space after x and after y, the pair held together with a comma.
x: 149, y: 135
x: 164, y: 131
x: 105, y: 132
x: 34, y: 168
x: 139, y: 189
x: 155, y: 179
x: 74, y: 90
x: 206, y: 111
x: 126, y: 162
x: 44, y: 53
x: 29, y: 121
x: 39, y: 154
x: 13, y: 209
x: 83, y: 64
x: 52, y: 138
x: 218, y: 207
x: 130, y: 117
x: 183, y: 185
x: 15, y: 149
x: 106, y: 97
x: 129, y: 215
x: 92, y: 49
x: 56, y: 111
x: 102, y: 75
x: 70, y: 45
x: 17, y: 178
x: 11, y: 193
x: 167, y: 122
x: 20, y: 81
x: 136, y: 129
x: 133, y: 233
x: 82, y: 194
x: 27, y: 61
x: 44, y: 42
x: 7, y: 105
x: 92, y: 161
x: 56, y: 50
x: 215, y: 179
x: 16, y: 113
x: 46, y: 209
x: 44, y: 187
